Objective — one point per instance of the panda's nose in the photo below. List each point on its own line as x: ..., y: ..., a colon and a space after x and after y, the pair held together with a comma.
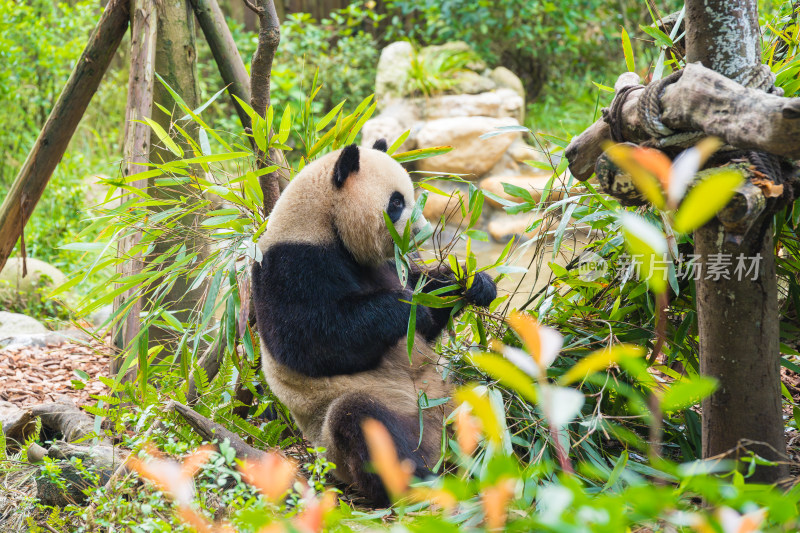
x: 419, y: 225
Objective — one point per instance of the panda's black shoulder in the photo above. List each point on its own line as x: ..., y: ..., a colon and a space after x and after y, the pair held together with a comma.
x: 298, y: 290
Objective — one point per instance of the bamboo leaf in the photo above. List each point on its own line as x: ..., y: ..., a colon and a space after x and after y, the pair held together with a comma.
x: 687, y: 393
x: 421, y: 153
x: 163, y: 137
x: 286, y: 125
x: 627, y: 49
x: 706, y: 199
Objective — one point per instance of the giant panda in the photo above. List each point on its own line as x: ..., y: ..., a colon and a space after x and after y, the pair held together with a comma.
x: 333, y: 315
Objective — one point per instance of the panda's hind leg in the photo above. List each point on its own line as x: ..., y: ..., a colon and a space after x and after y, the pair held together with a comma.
x: 346, y: 436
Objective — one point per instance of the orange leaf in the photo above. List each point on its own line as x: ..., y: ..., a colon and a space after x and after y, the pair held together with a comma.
x: 495, y: 501
x: 313, y: 516
x: 274, y: 527
x: 167, y: 475
x: 193, y: 463
x: 198, y: 522
x: 655, y: 162
x: 441, y: 498
x: 396, y: 475
x: 272, y: 475
x: 528, y: 330
x: 467, y: 431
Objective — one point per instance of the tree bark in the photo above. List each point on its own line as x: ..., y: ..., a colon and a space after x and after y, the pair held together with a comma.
x: 52, y: 142
x: 701, y: 100
x: 737, y: 319
x: 269, y: 36
x: 225, y: 53
x: 210, y: 431
x: 176, y: 63
x: 144, y: 22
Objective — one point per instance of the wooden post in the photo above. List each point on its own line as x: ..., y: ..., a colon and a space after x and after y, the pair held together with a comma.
x: 144, y: 22
x: 225, y: 53
x: 737, y: 318
x: 176, y: 63
x: 52, y: 142
x: 269, y: 36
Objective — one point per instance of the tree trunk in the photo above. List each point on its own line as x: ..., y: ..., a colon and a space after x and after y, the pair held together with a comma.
x: 176, y: 63
x: 225, y: 53
x: 144, y: 22
x: 52, y: 142
x: 269, y: 36
x: 737, y: 319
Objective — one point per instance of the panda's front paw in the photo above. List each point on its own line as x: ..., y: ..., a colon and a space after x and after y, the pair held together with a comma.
x: 482, y: 291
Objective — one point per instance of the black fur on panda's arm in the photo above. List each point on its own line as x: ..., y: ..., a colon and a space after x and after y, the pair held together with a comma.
x: 481, y: 293
x: 321, y: 314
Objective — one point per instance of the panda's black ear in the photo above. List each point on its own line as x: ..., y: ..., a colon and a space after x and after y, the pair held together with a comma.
x: 381, y: 145
x: 346, y: 164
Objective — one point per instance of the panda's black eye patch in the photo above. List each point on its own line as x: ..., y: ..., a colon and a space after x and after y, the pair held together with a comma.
x: 396, y: 205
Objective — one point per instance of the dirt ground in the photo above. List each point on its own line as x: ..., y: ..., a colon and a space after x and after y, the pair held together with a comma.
x: 32, y: 374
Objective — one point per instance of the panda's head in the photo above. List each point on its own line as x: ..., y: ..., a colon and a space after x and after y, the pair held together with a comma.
x: 366, y: 184
x: 343, y: 196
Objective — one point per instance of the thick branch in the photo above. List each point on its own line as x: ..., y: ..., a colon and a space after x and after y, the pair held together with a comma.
x: 738, y: 217
x: 57, y: 131
x: 269, y: 36
x: 230, y: 64
x: 702, y: 100
x: 705, y: 101
x: 210, y: 431
x: 64, y: 417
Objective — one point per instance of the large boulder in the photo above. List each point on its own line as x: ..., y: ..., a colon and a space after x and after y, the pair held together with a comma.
x: 16, y: 324
x: 497, y: 104
x: 392, y: 77
x: 505, y: 78
x: 469, y: 82
x: 39, y: 275
x: 395, y: 120
x: 471, y: 156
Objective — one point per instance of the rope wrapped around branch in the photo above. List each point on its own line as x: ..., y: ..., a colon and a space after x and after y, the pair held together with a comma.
x: 649, y: 110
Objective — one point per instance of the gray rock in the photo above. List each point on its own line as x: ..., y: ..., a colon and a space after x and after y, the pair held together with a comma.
x: 501, y: 103
x: 39, y: 273
x: 42, y: 340
x: 505, y: 78
x: 16, y: 324
x: 471, y: 156
x: 392, y: 79
x: 469, y: 82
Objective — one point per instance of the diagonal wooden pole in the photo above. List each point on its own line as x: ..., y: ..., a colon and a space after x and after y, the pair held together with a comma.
x: 52, y: 142
x: 226, y: 55
x: 144, y: 23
